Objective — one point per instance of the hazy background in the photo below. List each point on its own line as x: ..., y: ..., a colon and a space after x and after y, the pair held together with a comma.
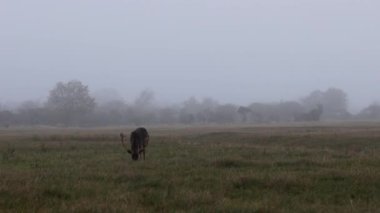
x: 236, y: 51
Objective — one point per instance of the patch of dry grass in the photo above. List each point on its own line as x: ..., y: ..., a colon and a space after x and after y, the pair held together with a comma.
x: 330, y: 168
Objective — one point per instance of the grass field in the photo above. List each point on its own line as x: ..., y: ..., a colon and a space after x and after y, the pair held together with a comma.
x: 325, y: 168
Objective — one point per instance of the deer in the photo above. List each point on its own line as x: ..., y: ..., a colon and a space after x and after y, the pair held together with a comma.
x: 139, y: 139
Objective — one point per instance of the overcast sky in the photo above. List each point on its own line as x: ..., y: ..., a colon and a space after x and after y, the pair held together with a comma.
x: 232, y: 50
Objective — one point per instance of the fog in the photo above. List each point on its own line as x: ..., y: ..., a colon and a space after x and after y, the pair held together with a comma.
x: 235, y: 51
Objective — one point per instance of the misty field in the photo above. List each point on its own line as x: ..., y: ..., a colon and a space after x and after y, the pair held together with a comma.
x: 324, y: 168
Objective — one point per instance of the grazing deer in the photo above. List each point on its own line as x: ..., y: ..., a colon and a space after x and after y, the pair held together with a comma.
x: 139, y: 140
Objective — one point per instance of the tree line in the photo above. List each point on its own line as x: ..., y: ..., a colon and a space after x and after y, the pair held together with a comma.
x: 70, y: 104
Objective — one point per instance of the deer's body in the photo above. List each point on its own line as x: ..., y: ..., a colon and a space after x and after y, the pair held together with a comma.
x: 139, y: 139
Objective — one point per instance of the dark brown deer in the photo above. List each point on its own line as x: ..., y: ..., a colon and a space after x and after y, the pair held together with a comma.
x: 139, y: 140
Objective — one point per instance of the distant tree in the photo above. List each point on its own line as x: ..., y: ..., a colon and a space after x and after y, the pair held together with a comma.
x: 194, y: 111
x: 6, y: 118
x: 263, y: 113
x: 145, y: 98
x: 189, y: 109
x: 70, y: 101
x: 168, y: 115
x: 244, y: 113
x: 206, y: 110
x: 191, y: 106
x: 312, y: 115
x: 30, y: 113
x: 112, y: 112
x: 288, y: 110
x: 313, y: 99
x: 226, y: 113
x: 334, y: 102
x: 186, y: 118
x: 143, y: 111
x: 105, y: 96
x: 284, y: 111
x: 372, y: 112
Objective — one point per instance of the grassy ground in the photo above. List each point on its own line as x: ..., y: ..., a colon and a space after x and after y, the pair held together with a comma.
x: 333, y: 168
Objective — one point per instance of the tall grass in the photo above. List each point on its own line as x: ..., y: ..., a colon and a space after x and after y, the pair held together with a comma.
x: 223, y: 169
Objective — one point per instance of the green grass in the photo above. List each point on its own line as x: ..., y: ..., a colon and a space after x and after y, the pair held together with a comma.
x: 333, y: 168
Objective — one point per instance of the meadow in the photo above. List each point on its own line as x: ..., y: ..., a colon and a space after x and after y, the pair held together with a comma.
x: 299, y: 168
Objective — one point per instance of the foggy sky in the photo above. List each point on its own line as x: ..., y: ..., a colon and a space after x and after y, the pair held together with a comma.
x: 237, y: 51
